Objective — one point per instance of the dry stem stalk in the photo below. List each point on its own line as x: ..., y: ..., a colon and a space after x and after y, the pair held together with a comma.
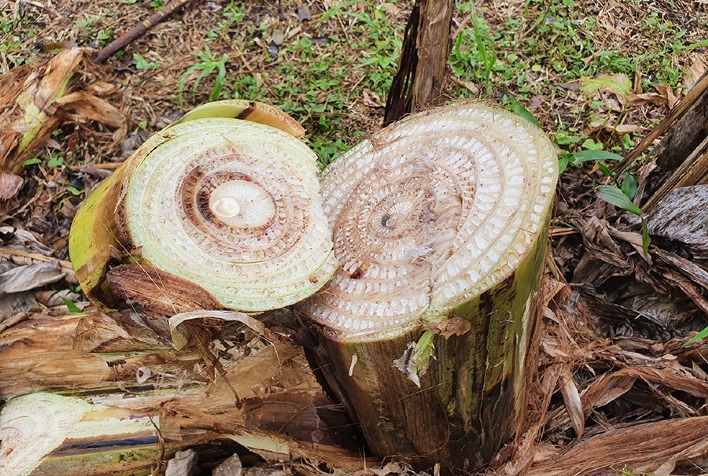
x: 423, y: 68
x: 139, y: 30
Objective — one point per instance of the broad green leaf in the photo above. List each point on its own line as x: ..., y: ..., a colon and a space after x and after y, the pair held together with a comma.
x: 70, y: 305
x: 701, y: 335
x: 619, y: 84
x: 520, y: 110
x: 616, y: 197
x: 646, y: 240
x: 33, y: 161
x: 590, y: 155
x: 605, y: 169
x: 563, y: 162
x: 629, y: 186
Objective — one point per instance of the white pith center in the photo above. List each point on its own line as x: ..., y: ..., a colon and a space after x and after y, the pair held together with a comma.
x: 241, y: 203
x: 226, y: 207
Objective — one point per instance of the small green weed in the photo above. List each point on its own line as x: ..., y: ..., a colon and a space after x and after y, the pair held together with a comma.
x: 628, y: 472
x: 551, y: 42
x: 473, y: 56
x: 620, y: 197
x: 50, y: 159
x: 101, y: 36
x: 208, y: 63
x: 232, y: 15
x: 311, y: 70
x: 142, y: 64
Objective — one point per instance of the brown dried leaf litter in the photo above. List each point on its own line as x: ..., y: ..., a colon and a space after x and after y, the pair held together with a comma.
x: 599, y: 403
x: 37, y: 99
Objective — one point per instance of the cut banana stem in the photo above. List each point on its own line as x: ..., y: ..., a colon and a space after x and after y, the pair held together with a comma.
x: 439, y: 223
x: 227, y: 199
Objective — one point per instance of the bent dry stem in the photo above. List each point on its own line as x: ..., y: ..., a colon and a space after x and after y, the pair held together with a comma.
x: 439, y: 223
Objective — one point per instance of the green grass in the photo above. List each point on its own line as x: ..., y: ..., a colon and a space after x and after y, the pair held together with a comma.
x: 555, y: 43
x: 626, y: 472
x: 559, y: 38
x: 310, y: 77
x: 92, y: 33
x: 208, y: 63
x: 11, y: 45
x: 473, y: 56
x: 348, y: 56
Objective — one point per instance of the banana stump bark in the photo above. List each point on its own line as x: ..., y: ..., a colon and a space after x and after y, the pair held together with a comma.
x: 422, y: 69
x: 440, y: 225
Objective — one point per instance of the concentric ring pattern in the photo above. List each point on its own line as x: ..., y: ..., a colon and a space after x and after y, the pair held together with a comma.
x: 426, y: 214
x: 234, y: 207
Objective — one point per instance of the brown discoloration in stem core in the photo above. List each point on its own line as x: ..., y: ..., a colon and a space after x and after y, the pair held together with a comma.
x: 153, y: 290
x: 247, y: 112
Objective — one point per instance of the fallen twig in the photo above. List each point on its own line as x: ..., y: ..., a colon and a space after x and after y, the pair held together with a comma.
x: 138, y: 30
x: 8, y: 252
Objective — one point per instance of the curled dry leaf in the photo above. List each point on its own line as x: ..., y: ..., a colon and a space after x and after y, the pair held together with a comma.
x: 178, y: 335
x: 34, y: 100
x: 665, y: 91
x: 697, y: 68
x: 87, y: 106
x: 24, y: 278
x: 608, y: 387
x: 10, y: 185
x: 120, y: 332
x: 681, y: 217
x: 23, y: 241
x: 603, y: 257
x: 573, y: 405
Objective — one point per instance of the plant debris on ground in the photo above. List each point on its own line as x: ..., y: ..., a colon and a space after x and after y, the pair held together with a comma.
x: 597, y: 77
